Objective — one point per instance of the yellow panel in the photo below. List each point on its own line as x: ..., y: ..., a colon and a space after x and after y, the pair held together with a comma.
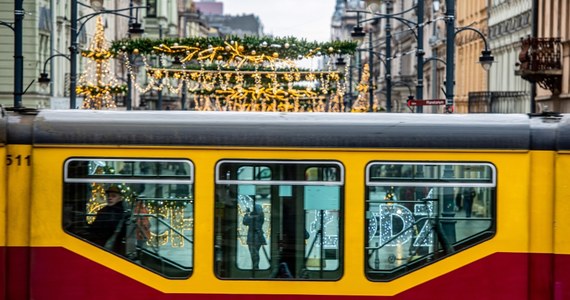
x: 541, y: 204
x: 562, y: 205
x: 18, y: 161
x: 512, y: 232
x: 3, y: 191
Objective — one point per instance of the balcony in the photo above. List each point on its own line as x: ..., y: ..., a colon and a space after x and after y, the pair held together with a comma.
x: 540, y: 61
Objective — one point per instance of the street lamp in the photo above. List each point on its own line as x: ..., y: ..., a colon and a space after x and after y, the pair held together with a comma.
x: 358, y: 32
x: 486, y: 60
x: 97, y: 6
x: 44, y: 79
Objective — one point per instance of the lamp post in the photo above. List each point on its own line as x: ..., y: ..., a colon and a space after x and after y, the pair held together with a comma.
x: 449, y: 54
x: 388, y: 30
x: 18, y: 57
x: 97, y: 6
x: 371, y: 77
x: 358, y: 33
x: 420, y: 55
x: 486, y: 59
x: 17, y: 28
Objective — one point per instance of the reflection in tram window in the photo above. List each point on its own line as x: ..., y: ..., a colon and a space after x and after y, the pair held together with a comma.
x: 417, y: 213
x: 278, y: 219
x: 140, y: 209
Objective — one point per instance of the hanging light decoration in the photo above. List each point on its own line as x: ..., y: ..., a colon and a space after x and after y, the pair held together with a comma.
x: 244, y: 74
x: 97, y: 84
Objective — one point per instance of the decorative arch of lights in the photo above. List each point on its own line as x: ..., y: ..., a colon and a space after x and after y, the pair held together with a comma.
x: 241, y: 74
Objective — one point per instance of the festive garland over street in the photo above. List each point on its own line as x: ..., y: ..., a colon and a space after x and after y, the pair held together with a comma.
x: 226, y: 48
x: 238, y: 73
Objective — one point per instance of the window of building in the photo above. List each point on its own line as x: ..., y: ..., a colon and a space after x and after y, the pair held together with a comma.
x: 278, y: 219
x: 418, y: 213
x: 139, y: 209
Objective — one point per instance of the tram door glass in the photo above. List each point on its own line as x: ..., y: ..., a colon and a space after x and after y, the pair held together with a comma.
x: 278, y: 219
x: 153, y: 224
x: 418, y: 213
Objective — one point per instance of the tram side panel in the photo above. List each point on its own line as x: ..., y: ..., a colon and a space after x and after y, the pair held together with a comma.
x: 69, y: 182
x: 18, y: 172
x: 561, y: 223
x: 3, y: 262
x: 540, y: 225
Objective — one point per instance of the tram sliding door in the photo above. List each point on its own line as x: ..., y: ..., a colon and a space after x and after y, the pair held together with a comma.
x: 278, y: 219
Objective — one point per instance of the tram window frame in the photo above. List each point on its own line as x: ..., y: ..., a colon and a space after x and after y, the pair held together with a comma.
x: 158, y: 204
x: 291, y: 220
x: 396, y: 226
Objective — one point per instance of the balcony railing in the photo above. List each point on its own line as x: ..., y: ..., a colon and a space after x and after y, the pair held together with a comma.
x: 499, y: 102
x: 540, y: 61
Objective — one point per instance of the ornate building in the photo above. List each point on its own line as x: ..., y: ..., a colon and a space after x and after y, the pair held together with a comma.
x: 46, y: 40
x: 544, y: 58
x: 509, y: 22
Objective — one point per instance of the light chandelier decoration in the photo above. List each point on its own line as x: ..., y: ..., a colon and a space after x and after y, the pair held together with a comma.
x: 239, y: 74
x: 97, y: 84
x: 362, y: 104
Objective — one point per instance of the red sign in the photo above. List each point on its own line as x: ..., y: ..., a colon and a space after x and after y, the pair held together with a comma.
x: 414, y: 102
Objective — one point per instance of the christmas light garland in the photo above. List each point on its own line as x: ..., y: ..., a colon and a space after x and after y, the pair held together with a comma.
x: 259, y: 47
x: 97, y: 84
x: 233, y: 73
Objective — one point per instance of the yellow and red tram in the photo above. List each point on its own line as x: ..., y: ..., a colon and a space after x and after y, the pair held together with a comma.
x: 292, y: 205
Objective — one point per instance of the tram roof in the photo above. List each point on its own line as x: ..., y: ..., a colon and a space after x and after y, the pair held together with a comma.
x: 311, y: 130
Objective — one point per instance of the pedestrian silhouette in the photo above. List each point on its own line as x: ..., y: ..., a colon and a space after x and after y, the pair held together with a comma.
x: 255, y: 238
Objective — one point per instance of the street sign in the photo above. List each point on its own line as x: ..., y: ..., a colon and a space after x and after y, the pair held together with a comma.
x: 416, y: 102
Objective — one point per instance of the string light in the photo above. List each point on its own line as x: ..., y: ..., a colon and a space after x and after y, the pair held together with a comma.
x: 246, y: 75
x: 97, y: 84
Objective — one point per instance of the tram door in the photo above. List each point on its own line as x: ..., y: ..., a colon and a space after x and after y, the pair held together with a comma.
x: 278, y: 219
x: 291, y: 225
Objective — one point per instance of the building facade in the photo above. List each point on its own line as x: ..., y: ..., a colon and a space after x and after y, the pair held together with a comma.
x: 46, y: 40
x: 469, y: 76
x: 509, y: 22
x: 544, y: 58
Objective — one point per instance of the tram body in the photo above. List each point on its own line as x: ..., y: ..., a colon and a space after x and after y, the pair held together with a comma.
x: 371, y: 206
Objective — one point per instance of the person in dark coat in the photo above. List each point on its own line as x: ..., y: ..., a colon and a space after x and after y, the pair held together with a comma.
x: 468, y: 197
x: 255, y: 238
x: 109, y: 228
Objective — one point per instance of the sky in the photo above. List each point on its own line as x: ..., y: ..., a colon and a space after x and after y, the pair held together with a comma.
x: 308, y: 19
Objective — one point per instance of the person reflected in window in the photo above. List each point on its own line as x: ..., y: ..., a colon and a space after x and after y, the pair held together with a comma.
x: 468, y: 197
x: 109, y: 228
x: 467, y: 194
x: 142, y: 224
x: 255, y: 238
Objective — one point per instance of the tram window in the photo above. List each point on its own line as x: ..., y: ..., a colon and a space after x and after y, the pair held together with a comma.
x: 278, y: 220
x: 418, y: 213
x: 152, y: 226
